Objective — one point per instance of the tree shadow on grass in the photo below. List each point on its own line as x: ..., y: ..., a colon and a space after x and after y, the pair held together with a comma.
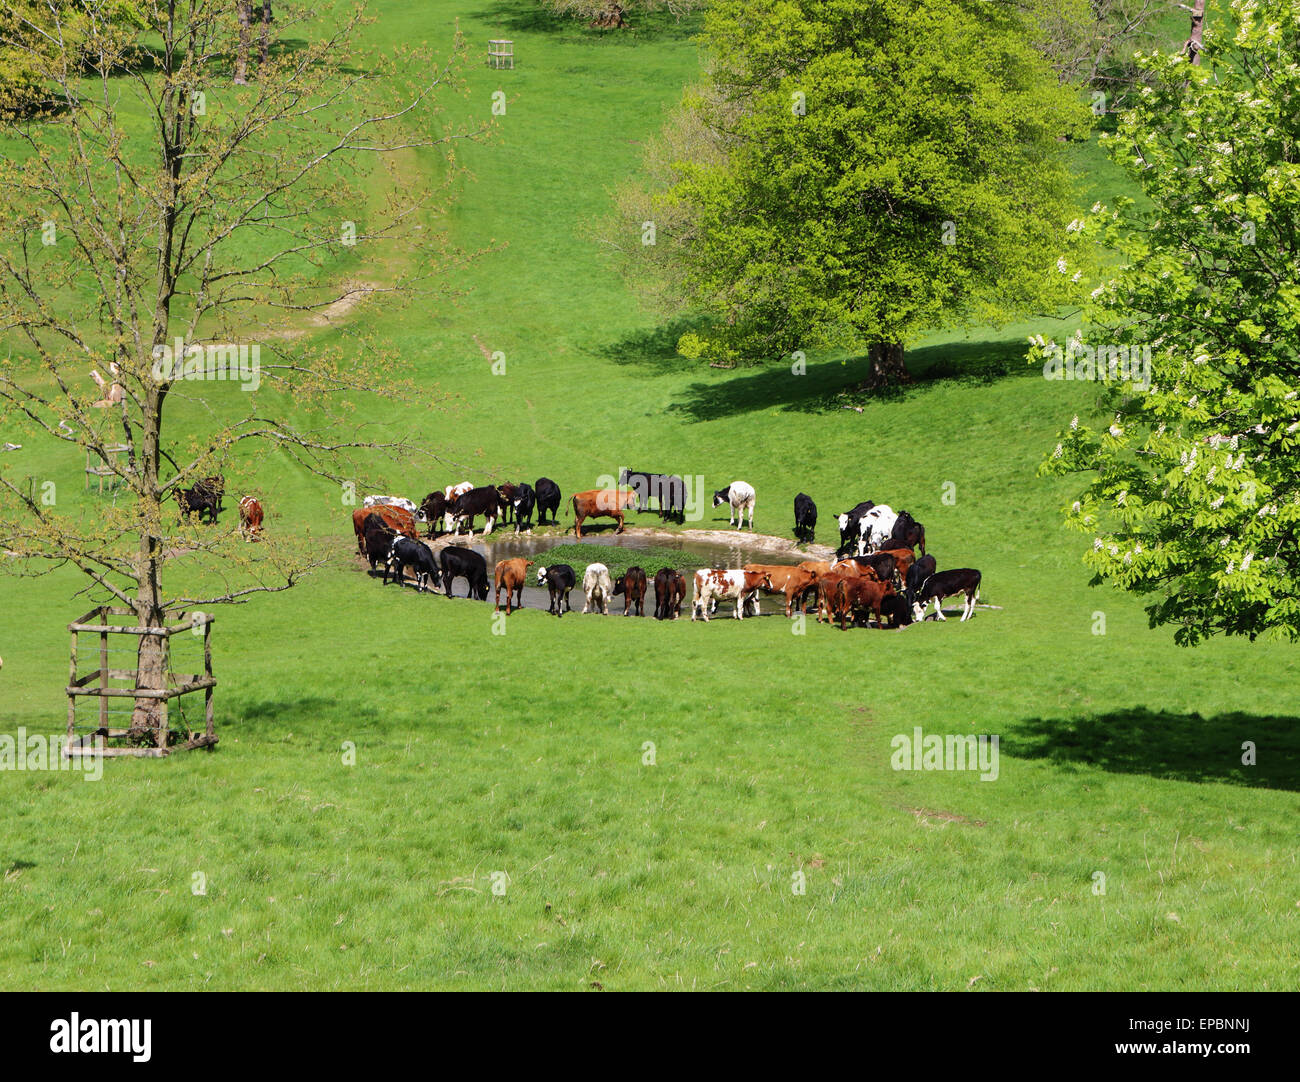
x: 1167, y: 744
x: 510, y: 16
x: 825, y: 386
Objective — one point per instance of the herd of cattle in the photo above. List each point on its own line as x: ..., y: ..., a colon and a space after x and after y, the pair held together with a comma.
x: 876, y: 571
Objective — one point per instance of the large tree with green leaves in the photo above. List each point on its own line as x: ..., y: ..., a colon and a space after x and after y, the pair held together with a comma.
x: 1194, y: 489
x: 853, y: 174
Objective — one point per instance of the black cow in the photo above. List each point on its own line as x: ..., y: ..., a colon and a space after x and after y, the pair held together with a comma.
x: 525, y: 501
x: 548, y: 501
x: 907, y: 531
x: 414, y: 554
x: 962, y: 580
x: 898, y: 609
x: 559, y: 579
x: 670, y: 589
x: 883, y: 564
x: 379, y: 539
x: 805, y: 517
x: 849, y: 525
x: 632, y: 586
x: 432, y: 509
x: 485, y: 501
x: 507, y: 492
x: 464, y: 563
x: 917, y: 574
x: 197, y: 499
x: 667, y: 489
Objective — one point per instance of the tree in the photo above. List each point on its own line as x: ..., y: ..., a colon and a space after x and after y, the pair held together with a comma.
x: 1194, y: 494
x: 165, y: 208
x: 851, y: 174
x: 612, y: 14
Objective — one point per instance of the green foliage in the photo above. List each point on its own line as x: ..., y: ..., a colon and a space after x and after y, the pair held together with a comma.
x: 1196, y: 494
x: 870, y: 171
x: 616, y: 558
x: 29, y: 26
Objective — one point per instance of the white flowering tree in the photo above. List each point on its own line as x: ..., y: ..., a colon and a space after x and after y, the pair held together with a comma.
x: 1194, y: 489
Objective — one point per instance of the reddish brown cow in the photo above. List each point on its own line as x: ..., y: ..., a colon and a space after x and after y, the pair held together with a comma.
x: 250, y: 518
x: 512, y: 574
x: 854, y: 595
x: 828, y: 583
x: 396, y: 518
x: 903, y: 558
x: 602, y: 503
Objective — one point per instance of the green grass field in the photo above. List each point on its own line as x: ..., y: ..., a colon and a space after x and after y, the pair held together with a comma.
x: 405, y: 798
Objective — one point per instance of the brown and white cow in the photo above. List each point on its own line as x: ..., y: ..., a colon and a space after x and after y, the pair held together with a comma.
x: 250, y: 518
x: 720, y: 584
x: 602, y: 503
x: 512, y: 574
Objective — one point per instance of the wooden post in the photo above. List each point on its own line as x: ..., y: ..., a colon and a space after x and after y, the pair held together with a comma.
x: 72, y: 699
x: 103, y: 671
x: 207, y: 671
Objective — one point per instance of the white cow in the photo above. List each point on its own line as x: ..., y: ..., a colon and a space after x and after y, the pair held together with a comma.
x: 390, y: 501
x: 875, y: 528
x: 714, y: 584
x: 598, y: 588
x: 740, y: 495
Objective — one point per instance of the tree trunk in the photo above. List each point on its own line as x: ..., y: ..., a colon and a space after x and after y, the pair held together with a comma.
x: 887, y: 365
x: 612, y: 18
x: 149, y: 718
x: 245, y: 9
x: 266, y: 36
x: 1198, y: 27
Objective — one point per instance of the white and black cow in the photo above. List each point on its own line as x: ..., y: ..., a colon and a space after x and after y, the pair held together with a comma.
x: 559, y: 579
x: 390, y: 501
x: 962, y: 580
x: 740, y: 496
x: 875, y: 528
x: 848, y: 523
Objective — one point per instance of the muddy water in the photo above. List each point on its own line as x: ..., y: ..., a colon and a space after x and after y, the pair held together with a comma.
x: 505, y: 545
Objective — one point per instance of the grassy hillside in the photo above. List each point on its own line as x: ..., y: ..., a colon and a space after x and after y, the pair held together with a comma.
x: 525, y: 753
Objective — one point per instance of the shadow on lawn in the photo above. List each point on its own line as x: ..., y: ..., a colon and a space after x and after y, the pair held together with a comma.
x: 826, y: 386
x: 509, y: 16
x: 1165, y: 744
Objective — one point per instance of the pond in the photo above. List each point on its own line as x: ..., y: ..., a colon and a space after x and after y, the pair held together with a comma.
x: 692, y: 553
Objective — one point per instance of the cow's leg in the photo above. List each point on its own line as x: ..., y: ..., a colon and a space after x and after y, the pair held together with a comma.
x: 938, y: 609
x: 490, y: 523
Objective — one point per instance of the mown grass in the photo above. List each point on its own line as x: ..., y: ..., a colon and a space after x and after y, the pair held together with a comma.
x: 526, y: 752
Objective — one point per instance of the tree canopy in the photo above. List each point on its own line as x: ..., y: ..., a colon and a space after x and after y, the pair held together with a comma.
x: 1194, y: 496
x: 851, y: 174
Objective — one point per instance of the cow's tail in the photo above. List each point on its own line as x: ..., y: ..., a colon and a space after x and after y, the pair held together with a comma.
x: 922, y: 540
x: 573, y: 510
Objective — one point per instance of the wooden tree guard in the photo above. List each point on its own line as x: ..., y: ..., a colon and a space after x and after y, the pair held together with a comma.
x: 96, y: 683
x: 501, y: 53
x: 98, y: 466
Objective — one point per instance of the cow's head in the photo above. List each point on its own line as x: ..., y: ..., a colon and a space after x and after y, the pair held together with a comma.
x: 541, y: 576
x: 723, y: 495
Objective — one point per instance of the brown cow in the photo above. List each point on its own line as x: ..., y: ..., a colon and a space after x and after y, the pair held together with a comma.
x: 250, y: 518
x: 512, y: 574
x: 778, y: 577
x: 797, y: 584
x: 602, y: 503
x: 862, y: 593
x: 828, y: 583
x: 397, y: 518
